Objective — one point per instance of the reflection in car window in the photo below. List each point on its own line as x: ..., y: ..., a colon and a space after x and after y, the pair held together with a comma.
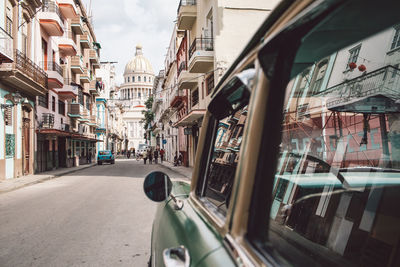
x: 337, y: 182
x: 225, y: 158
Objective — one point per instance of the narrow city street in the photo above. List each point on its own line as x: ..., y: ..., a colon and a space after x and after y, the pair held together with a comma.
x: 95, y: 217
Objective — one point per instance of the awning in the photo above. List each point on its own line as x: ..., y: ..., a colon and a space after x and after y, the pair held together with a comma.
x: 191, y: 118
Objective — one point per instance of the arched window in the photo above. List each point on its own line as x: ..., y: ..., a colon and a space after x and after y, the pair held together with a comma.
x: 128, y: 79
x: 138, y: 78
x: 144, y: 78
x: 133, y: 79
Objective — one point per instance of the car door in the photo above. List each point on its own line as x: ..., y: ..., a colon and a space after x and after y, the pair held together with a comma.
x: 319, y: 196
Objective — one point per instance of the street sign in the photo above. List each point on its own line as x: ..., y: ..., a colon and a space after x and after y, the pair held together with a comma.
x: 187, y: 131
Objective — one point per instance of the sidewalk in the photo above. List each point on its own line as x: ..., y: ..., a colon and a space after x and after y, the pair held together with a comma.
x: 16, y: 183
x: 185, y: 171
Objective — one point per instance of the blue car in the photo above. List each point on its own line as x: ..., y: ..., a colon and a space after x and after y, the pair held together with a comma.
x: 105, y: 156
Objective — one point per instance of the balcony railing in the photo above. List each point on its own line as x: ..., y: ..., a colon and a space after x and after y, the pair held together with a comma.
x: 384, y: 81
x: 186, y: 3
x: 47, y: 121
x: 52, y: 7
x: 201, y: 44
x: 52, y: 66
x: 6, y: 43
x: 182, y: 67
x: 29, y: 68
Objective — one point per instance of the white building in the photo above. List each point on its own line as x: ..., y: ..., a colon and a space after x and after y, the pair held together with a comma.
x: 133, y: 93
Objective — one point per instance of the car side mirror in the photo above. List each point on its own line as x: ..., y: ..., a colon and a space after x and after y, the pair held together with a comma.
x: 157, y: 186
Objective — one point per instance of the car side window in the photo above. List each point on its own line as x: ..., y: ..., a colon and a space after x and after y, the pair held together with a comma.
x: 231, y: 108
x: 337, y: 178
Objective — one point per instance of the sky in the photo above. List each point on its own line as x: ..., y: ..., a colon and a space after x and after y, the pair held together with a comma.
x: 120, y: 25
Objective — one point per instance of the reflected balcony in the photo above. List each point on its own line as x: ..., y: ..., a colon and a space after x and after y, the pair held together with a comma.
x: 94, y: 58
x: 187, y: 13
x: 201, y: 55
x: 85, y: 40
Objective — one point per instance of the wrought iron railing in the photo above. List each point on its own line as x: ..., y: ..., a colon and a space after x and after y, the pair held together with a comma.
x: 384, y: 81
x: 201, y: 44
x: 6, y: 43
x: 49, y: 6
x: 186, y: 3
x: 29, y: 68
x: 182, y: 67
x: 47, y: 120
x: 52, y: 66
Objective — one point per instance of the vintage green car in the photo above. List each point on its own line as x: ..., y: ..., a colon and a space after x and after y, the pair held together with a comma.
x: 298, y: 161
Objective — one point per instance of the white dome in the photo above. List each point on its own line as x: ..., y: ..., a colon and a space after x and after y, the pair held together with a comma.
x: 139, y: 64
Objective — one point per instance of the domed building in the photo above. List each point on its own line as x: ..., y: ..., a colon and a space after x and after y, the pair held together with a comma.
x: 133, y: 93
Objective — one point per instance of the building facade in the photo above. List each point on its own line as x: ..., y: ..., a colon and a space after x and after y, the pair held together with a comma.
x: 133, y: 93
x: 49, y: 54
x: 199, y: 53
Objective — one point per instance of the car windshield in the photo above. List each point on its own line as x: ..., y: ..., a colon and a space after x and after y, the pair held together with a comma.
x: 337, y: 181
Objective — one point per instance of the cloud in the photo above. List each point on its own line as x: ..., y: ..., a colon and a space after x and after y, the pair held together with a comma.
x: 121, y: 24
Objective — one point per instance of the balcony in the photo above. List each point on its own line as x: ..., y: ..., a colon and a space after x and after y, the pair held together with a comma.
x: 76, y: 110
x: 54, y: 73
x: 187, y: 13
x: 94, y: 57
x: 85, y: 76
x: 69, y: 91
x: 77, y: 25
x: 374, y: 93
x: 201, y: 55
x: 178, y: 99
x: 6, y: 46
x: 186, y: 80
x: 66, y: 44
x: 47, y: 121
x: 77, y: 65
x: 85, y: 40
x: 94, y: 88
x: 68, y: 9
x: 191, y: 118
x: 24, y: 75
x: 51, y: 19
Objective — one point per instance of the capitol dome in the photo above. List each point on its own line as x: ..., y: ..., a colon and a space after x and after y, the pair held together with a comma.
x: 138, y: 64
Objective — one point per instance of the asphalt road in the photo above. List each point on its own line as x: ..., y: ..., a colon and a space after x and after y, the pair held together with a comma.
x: 95, y: 217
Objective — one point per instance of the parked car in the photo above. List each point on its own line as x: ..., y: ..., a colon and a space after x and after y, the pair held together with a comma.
x: 298, y: 161
x: 105, y: 156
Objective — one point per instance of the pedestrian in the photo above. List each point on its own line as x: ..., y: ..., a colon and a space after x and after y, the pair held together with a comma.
x: 90, y: 157
x: 150, y: 154
x: 128, y: 155
x: 180, y: 159
x: 162, y: 152
x: 156, y: 156
x: 176, y: 159
x: 145, y: 156
x: 133, y: 152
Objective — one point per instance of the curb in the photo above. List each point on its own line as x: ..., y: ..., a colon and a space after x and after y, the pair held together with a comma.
x: 177, y: 171
x: 46, y: 178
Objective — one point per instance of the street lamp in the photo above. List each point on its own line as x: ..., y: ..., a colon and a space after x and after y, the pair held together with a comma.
x: 17, y: 99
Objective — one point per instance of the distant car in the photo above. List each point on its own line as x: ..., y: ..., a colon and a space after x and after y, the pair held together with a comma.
x: 105, y: 156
